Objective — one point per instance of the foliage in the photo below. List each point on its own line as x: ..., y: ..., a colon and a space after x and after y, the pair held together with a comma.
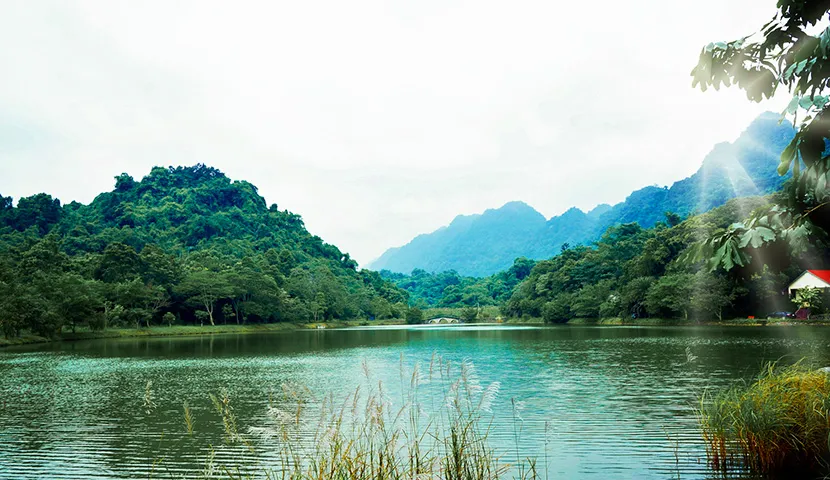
x: 414, y: 316
x: 469, y: 314
x: 629, y: 272
x: 711, y: 294
x: 789, y: 52
x: 636, y: 272
x: 670, y: 296
x: 185, y: 243
x: 449, y: 289
x: 808, y: 297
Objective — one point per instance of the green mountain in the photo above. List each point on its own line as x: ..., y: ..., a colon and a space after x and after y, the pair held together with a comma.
x: 480, y: 245
x: 183, y: 245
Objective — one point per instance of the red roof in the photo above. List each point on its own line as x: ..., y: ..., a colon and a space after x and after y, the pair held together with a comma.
x: 822, y: 274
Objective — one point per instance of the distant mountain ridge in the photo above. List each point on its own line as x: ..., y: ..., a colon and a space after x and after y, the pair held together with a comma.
x: 483, y: 244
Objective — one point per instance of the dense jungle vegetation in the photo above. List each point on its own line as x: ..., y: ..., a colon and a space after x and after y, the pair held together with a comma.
x: 630, y: 271
x: 187, y: 245
x: 184, y: 245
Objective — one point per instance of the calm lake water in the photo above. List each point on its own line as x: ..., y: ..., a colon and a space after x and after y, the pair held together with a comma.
x: 595, y: 402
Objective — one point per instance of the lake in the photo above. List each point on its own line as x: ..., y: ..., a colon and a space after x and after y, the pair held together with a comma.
x: 587, y: 402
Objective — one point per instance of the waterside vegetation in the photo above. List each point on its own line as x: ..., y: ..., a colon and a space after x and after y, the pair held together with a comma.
x: 439, y: 430
x: 779, y: 423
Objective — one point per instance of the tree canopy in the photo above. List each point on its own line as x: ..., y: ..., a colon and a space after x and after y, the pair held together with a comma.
x: 790, y: 52
x: 183, y: 242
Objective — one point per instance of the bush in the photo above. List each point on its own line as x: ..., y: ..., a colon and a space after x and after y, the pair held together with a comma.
x: 97, y: 322
x: 778, y: 423
x: 202, y: 316
x: 558, y: 310
x: 414, y: 316
x: 469, y: 314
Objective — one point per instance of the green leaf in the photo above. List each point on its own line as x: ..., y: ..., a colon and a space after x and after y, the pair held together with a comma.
x: 821, y: 186
x: 757, y: 237
x: 787, y: 156
x: 723, y: 256
x: 792, y: 107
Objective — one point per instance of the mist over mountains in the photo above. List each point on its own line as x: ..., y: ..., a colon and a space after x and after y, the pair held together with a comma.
x: 482, y: 244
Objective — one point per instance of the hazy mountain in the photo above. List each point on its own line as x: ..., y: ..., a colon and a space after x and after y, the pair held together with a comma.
x: 480, y: 245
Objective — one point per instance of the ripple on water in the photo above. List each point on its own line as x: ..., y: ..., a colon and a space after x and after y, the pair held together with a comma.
x: 595, y: 403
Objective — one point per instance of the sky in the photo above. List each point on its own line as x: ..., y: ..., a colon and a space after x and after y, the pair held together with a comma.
x: 374, y: 120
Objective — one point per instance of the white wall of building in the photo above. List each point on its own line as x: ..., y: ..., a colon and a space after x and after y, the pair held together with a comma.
x: 807, y: 279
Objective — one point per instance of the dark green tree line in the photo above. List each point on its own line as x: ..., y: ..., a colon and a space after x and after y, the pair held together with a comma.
x: 185, y: 245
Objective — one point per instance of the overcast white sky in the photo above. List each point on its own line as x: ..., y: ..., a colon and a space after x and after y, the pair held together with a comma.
x: 374, y: 120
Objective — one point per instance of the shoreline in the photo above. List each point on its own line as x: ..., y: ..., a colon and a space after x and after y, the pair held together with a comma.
x: 186, y: 330
x: 668, y: 322
x: 197, y: 330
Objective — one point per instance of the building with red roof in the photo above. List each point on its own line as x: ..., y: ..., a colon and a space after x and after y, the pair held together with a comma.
x: 810, y: 278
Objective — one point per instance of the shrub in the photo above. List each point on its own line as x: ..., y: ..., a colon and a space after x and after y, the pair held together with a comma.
x: 414, y: 316
x: 780, y: 421
x: 469, y: 314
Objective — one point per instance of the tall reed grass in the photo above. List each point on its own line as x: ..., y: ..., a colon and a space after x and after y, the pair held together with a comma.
x: 368, y: 436
x: 779, y: 423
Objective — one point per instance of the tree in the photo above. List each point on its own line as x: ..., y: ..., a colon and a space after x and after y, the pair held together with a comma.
x: 670, y: 295
x: 41, y: 211
x: 73, y: 298
x: 133, y: 254
x: 558, y: 310
x: 139, y: 301
x: 253, y: 292
x: 784, y: 54
x: 469, y: 314
x: 711, y: 293
x: 673, y: 219
x: 24, y: 307
x: 158, y: 267
x: 808, y: 297
x: 119, y: 263
x: 205, y: 288
x: 633, y: 296
x: 589, y: 299
x: 414, y: 315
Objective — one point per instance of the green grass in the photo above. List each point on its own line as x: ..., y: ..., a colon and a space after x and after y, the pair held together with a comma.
x: 778, y: 423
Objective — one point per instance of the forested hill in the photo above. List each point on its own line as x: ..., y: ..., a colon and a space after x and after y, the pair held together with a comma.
x: 183, y: 245
x: 480, y: 245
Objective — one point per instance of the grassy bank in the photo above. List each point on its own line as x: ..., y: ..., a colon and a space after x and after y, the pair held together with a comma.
x: 182, y: 330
